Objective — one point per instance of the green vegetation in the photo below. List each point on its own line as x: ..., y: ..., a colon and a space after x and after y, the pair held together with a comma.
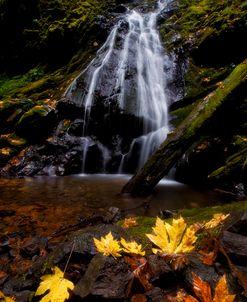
x: 9, y: 85
x: 191, y: 216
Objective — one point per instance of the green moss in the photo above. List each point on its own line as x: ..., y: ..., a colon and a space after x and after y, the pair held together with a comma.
x: 212, y: 102
x: 191, y: 216
x: 205, y: 214
x: 201, y: 80
x: 179, y: 115
x: 9, y: 86
x: 195, y: 21
x: 232, y: 168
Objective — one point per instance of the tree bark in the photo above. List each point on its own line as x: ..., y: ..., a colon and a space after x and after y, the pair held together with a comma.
x: 177, y: 142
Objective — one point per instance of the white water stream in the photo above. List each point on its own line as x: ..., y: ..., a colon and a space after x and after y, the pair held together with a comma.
x: 141, y: 51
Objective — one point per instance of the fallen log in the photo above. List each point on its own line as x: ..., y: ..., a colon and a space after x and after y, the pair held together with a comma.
x: 177, y: 142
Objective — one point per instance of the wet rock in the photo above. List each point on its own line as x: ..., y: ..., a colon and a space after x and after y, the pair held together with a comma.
x: 158, y: 267
x: 235, y: 246
x: 166, y: 214
x: 68, y: 109
x: 11, y: 111
x: 76, y: 128
x: 34, y: 247
x: 156, y: 295
x: 24, y: 296
x: 112, y: 215
x: 120, y: 9
x: 82, y: 242
x: 219, y: 49
x: 240, y: 224
x: 112, y: 280
x: 205, y: 272
x: 41, y: 119
x: 84, y: 287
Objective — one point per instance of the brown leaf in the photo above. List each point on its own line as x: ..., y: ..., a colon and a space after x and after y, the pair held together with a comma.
x: 236, y: 272
x: 3, y: 277
x: 209, y: 251
x: 139, y: 298
x: 201, y: 289
x: 242, y: 280
x: 135, y: 261
x: 176, y: 261
x: 182, y: 296
x: 143, y: 274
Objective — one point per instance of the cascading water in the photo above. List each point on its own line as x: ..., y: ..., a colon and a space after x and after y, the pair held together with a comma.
x: 123, y: 91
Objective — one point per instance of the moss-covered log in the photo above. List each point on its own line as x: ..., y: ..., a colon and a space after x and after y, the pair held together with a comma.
x: 181, y: 139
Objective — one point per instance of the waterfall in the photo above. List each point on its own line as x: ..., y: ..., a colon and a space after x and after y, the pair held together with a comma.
x: 127, y: 78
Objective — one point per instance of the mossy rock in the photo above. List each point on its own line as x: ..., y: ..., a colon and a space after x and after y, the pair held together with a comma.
x: 233, y: 172
x: 11, y: 111
x: 36, y: 123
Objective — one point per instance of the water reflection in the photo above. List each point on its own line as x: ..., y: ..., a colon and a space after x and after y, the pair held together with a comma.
x: 80, y: 193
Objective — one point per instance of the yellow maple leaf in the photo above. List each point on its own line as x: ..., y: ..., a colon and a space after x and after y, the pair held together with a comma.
x: 132, y: 247
x: 57, y: 285
x: 108, y: 246
x: 4, y: 298
x: 173, y: 238
x: 216, y: 220
x: 221, y: 291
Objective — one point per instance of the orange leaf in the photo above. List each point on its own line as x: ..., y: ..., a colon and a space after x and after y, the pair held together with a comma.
x: 135, y: 262
x: 221, y: 292
x: 176, y: 261
x: 210, y: 250
x: 182, y: 296
x: 201, y: 289
x: 129, y: 222
x: 139, y: 298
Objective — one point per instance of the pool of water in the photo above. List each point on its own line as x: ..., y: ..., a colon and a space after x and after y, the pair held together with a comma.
x: 98, y: 192
x: 44, y: 206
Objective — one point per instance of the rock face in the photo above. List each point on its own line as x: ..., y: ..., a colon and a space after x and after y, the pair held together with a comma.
x: 100, y: 123
x: 200, y: 121
x: 205, y: 44
x: 216, y: 155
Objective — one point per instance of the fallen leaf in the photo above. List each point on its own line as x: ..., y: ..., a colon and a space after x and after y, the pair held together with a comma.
x: 57, y: 285
x: 4, y: 298
x: 221, y: 291
x: 235, y: 271
x: 129, y: 222
x: 201, y: 289
x: 173, y: 238
x: 210, y: 250
x: 108, y: 246
x: 176, y: 261
x: 139, y: 298
x: 134, y: 262
x: 143, y: 274
x: 132, y: 247
x: 182, y: 296
x: 216, y: 220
